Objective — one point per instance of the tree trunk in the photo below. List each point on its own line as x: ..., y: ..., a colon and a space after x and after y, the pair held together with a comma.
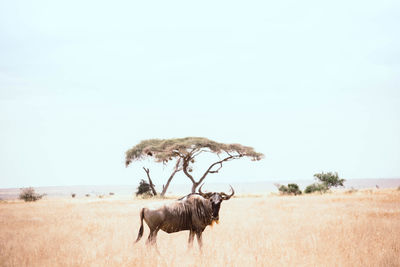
x: 194, y: 186
x: 150, y: 181
x: 165, y: 187
x: 177, y: 169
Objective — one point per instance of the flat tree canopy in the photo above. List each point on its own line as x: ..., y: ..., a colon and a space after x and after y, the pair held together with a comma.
x: 185, y: 150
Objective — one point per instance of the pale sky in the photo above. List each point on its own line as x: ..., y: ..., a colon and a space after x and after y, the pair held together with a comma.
x: 314, y: 85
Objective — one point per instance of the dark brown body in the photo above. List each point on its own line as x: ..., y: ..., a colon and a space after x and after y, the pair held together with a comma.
x: 193, y: 212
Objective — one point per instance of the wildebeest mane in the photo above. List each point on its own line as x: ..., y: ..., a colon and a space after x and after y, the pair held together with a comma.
x: 188, y: 196
x: 192, y: 210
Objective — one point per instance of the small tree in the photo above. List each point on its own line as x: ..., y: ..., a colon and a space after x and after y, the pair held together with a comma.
x: 29, y: 194
x: 290, y: 189
x: 144, y: 189
x: 325, y: 182
x: 329, y: 179
x: 283, y: 189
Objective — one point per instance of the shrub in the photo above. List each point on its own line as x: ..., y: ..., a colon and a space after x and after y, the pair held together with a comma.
x: 329, y: 179
x: 290, y: 189
x: 29, y: 194
x: 294, y: 189
x: 282, y: 188
x: 111, y: 193
x: 73, y: 195
x: 322, y: 188
x: 326, y: 181
x: 144, y: 189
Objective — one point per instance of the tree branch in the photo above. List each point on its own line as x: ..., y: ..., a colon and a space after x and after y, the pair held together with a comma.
x: 209, y: 170
x: 150, y: 181
x: 216, y: 171
x: 194, y: 150
x: 179, y: 154
x: 185, y: 166
x: 199, y: 152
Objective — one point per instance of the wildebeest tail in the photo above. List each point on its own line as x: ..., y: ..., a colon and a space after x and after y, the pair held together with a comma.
x: 140, y: 234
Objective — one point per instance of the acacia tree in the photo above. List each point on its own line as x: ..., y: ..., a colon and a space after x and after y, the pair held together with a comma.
x: 185, y: 150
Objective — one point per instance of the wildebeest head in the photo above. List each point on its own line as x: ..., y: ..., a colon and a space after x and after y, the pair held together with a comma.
x: 216, y: 200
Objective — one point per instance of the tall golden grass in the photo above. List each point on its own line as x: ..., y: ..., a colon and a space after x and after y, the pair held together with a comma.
x: 359, y: 229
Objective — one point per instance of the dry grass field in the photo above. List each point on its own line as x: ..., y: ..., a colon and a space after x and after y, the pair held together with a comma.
x: 359, y: 229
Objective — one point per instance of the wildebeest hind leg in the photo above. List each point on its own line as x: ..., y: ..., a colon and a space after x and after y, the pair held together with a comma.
x: 152, y: 239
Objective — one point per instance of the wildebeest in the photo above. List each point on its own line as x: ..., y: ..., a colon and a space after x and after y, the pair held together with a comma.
x: 192, y: 212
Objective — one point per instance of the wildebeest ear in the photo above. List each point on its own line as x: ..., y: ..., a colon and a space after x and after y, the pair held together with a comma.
x: 225, y: 196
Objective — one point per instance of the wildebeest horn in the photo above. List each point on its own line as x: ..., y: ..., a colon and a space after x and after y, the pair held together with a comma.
x: 205, y: 195
x: 225, y: 196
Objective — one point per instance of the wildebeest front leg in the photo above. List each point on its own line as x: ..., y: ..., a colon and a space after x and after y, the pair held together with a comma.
x: 191, y: 237
x: 199, y: 238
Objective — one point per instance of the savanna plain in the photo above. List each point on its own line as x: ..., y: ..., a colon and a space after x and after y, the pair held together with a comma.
x: 336, y: 229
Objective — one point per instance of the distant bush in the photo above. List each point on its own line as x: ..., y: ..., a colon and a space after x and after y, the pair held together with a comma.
x: 73, y: 195
x: 111, y: 193
x: 326, y: 181
x: 322, y: 188
x: 329, y: 179
x: 29, y: 194
x: 290, y: 189
x: 87, y: 195
x: 144, y: 189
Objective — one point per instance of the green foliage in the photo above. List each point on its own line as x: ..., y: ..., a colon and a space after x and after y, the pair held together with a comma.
x: 290, y: 189
x: 329, y: 179
x: 29, y: 194
x: 294, y: 189
x: 322, y: 188
x: 144, y: 189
